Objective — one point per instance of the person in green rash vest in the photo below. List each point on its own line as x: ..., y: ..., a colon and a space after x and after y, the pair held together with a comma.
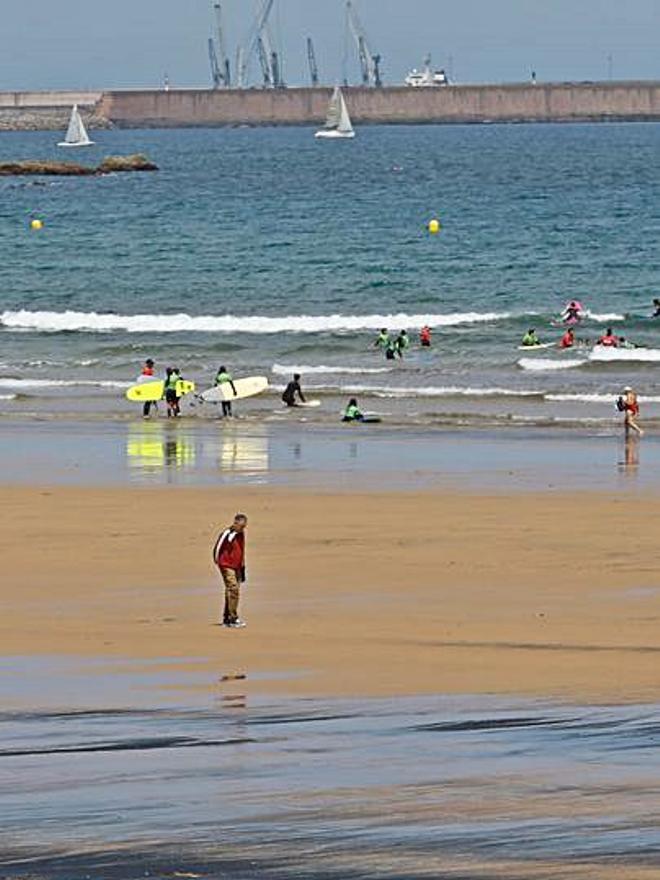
x: 530, y: 338
x: 352, y: 412
x: 383, y: 340
x: 223, y: 377
x: 172, y: 376
x: 402, y: 343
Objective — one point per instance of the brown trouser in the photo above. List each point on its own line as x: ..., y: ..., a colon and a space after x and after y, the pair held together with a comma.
x: 232, y: 595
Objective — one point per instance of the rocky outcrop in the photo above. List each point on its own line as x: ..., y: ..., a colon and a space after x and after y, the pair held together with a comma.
x: 109, y: 165
x: 136, y: 162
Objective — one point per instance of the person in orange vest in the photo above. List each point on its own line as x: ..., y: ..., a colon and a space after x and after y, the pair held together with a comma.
x: 568, y: 339
x: 425, y: 336
x: 608, y: 339
x: 147, y: 375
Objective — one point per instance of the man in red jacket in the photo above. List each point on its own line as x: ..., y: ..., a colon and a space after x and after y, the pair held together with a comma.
x: 229, y: 556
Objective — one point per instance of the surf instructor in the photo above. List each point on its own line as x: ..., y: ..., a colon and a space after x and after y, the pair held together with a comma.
x: 229, y: 556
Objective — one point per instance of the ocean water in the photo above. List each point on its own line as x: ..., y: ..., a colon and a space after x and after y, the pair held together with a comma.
x: 267, y: 251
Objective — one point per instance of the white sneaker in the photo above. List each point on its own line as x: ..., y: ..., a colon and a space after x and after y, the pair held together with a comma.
x: 238, y: 623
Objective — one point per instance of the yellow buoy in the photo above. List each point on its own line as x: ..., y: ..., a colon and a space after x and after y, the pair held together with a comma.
x: 36, y: 224
x: 434, y: 226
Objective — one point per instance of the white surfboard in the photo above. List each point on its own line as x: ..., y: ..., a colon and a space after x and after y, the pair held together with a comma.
x: 247, y: 387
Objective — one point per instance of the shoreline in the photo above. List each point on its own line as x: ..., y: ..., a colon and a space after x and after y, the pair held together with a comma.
x: 295, y: 450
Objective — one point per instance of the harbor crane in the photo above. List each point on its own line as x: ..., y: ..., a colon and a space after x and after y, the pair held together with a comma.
x: 259, y: 43
x: 369, y: 62
x: 219, y: 61
x: 311, y: 57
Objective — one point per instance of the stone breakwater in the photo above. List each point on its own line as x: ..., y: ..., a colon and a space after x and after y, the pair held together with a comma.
x: 110, y: 165
x: 550, y: 102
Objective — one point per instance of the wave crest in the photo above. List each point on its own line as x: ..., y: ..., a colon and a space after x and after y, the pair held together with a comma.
x: 95, y: 322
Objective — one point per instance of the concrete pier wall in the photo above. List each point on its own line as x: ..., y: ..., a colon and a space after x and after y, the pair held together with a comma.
x: 47, y: 100
x: 551, y: 102
x: 560, y: 102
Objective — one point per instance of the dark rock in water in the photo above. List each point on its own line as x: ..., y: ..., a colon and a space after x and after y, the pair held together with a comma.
x: 109, y: 165
x: 65, y: 169
x: 136, y: 162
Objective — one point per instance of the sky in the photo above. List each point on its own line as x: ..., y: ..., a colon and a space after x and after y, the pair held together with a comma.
x: 95, y: 44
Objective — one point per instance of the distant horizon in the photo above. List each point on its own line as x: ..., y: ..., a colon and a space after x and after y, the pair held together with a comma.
x: 138, y: 45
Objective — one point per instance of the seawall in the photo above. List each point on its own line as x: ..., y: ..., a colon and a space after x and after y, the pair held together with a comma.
x: 561, y: 102
x: 547, y: 102
x: 47, y: 111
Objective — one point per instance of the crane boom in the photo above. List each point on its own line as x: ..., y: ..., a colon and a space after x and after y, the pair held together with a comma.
x: 254, y: 35
x: 369, y: 63
x: 264, y: 61
x: 311, y: 57
x: 216, y: 76
x: 221, y: 44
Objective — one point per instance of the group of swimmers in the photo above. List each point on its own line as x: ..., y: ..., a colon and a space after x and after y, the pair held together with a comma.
x: 397, y: 346
x: 608, y: 340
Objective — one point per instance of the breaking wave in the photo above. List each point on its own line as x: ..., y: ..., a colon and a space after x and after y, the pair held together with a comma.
x: 94, y: 322
x: 612, y: 355
x: 541, y: 365
x: 285, y: 370
x: 8, y: 382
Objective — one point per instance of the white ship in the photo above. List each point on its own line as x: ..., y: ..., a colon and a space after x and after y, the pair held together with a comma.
x: 426, y: 77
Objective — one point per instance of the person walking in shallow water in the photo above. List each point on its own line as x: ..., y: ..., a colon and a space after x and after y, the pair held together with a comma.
x: 629, y: 404
x: 229, y: 556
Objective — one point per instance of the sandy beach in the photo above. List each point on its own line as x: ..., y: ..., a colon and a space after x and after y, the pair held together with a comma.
x: 375, y: 594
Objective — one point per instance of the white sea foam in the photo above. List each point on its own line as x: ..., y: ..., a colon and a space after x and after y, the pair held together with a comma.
x: 8, y: 382
x: 541, y: 365
x: 285, y: 370
x: 55, y: 322
x: 611, y: 355
x: 8, y: 396
x: 427, y: 391
x: 606, y: 316
x: 595, y: 398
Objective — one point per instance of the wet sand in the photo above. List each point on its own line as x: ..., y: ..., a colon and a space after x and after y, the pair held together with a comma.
x: 349, y: 594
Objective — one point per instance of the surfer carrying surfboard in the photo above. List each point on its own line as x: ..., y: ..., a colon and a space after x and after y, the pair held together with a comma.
x: 172, y: 376
x: 229, y: 556
x: 224, y: 377
x: 147, y: 375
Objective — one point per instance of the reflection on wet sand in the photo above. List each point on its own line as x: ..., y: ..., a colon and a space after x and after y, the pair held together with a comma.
x: 154, y: 445
x: 238, y: 452
x: 630, y: 461
x: 151, y: 446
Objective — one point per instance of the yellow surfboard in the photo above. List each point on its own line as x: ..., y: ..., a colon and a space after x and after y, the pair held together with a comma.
x: 144, y: 392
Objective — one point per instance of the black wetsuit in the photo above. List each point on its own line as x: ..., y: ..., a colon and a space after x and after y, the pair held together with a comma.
x: 289, y: 394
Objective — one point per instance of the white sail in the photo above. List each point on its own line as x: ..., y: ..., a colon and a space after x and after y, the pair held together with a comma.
x: 344, y: 119
x: 337, y: 122
x: 76, y: 135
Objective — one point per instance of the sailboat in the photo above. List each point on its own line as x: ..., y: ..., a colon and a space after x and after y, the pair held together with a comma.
x: 76, y: 135
x: 337, y: 122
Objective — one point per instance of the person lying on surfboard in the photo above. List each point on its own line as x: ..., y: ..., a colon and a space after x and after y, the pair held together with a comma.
x: 530, y: 338
x: 293, y: 388
x: 224, y: 377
